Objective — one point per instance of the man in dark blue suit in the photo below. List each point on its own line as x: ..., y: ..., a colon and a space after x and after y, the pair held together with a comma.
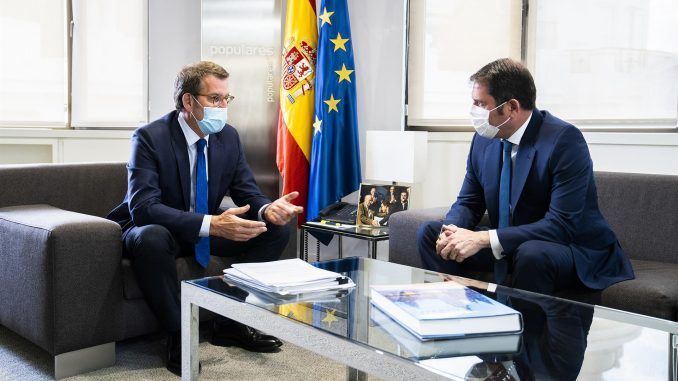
x: 181, y: 167
x: 533, y: 174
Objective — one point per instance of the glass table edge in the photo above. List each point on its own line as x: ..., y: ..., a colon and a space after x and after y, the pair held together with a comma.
x: 604, y: 312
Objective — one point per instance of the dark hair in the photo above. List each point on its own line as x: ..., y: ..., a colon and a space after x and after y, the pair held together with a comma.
x: 507, y: 79
x: 189, y: 79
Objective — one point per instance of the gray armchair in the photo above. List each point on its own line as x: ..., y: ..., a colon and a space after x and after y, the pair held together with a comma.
x: 63, y: 282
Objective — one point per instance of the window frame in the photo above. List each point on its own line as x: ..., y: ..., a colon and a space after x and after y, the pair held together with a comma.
x: 527, y: 55
x: 32, y: 124
x: 69, y: 25
x: 110, y: 125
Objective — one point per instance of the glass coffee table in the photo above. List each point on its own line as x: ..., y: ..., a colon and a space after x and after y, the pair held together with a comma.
x: 561, y: 339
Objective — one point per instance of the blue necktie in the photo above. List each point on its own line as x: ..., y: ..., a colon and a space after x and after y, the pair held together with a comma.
x: 501, y: 266
x: 202, y: 248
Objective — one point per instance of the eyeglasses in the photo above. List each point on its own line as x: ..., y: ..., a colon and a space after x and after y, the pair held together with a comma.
x: 217, y: 99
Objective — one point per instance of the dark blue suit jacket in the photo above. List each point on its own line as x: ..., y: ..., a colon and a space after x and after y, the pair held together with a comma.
x: 553, y: 198
x: 159, y: 179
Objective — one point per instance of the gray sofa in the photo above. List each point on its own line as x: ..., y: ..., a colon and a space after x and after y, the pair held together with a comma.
x: 643, y: 212
x: 63, y: 282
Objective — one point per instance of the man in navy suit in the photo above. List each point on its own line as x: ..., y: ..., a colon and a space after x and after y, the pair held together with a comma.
x: 181, y: 167
x: 533, y: 174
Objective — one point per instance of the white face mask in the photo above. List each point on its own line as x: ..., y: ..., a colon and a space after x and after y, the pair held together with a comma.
x: 213, y: 119
x: 480, y: 118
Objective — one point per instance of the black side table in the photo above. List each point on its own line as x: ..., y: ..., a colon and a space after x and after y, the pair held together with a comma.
x: 370, y: 234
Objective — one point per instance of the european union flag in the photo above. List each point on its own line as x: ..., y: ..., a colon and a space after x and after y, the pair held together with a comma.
x: 335, y: 154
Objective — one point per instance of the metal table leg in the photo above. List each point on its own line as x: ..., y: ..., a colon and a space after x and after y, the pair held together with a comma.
x: 673, y: 357
x: 189, y: 340
x: 341, y: 252
x: 372, y: 249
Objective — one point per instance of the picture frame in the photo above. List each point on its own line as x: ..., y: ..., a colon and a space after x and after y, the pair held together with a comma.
x: 383, y: 201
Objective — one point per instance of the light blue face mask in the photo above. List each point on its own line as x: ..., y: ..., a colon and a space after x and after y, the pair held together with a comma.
x: 213, y: 119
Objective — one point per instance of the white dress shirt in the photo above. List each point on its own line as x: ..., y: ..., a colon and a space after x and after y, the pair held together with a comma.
x: 497, y: 249
x: 192, y: 144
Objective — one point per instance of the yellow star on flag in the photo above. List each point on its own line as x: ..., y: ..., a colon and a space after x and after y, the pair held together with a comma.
x: 332, y: 103
x: 317, y: 124
x: 339, y: 43
x: 329, y: 317
x: 325, y: 17
x: 344, y: 74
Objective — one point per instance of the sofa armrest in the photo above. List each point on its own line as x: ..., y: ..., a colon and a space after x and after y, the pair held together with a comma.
x: 402, y: 242
x: 60, y: 277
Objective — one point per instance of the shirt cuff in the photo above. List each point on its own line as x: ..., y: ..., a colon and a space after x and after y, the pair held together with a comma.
x: 260, y: 214
x: 205, y: 227
x: 497, y: 250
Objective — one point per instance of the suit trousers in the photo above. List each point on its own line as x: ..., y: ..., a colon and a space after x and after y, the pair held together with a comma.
x: 538, y: 266
x: 153, y: 251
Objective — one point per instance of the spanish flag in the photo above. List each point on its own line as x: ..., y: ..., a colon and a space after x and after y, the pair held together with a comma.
x: 295, y: 123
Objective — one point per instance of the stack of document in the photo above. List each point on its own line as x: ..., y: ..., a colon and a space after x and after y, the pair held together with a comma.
x: 286, y: 277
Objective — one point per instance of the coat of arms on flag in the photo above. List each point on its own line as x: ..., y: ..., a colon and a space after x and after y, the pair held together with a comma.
x: 299, y: 61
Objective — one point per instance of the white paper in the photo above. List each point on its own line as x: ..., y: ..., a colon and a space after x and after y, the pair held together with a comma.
x: 286, y: 272
x: 286, y: 277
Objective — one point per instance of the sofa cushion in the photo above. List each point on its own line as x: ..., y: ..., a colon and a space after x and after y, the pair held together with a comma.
x: 654, y: 292
x: 642, y: 211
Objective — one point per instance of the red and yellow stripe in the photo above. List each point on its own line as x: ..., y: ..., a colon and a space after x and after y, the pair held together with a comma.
x: 295, y: 123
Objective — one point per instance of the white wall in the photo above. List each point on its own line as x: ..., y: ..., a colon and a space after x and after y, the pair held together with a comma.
x: 447, y: 152
x: 377, y: 29
x: 634, y: 152
x: 25, y: 146
x: 173, y: 41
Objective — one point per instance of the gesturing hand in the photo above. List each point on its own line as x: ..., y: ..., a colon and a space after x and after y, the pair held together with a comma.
x: 228, y: 225
x: 281, y: 211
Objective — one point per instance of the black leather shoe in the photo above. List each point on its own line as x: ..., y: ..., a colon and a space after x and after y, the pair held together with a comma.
x: 236, y: 334
x: 174, y: 354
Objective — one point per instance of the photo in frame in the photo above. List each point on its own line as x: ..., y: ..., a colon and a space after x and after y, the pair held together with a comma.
x: 379, y: 201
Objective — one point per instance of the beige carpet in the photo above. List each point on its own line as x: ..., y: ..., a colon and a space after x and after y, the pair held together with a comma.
x: 140, y: 359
